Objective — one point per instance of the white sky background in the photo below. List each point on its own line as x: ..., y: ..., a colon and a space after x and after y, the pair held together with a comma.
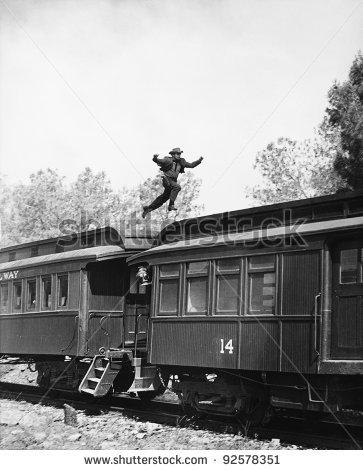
x: 156, y: 74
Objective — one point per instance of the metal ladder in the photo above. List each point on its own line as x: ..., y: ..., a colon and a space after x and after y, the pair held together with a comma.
x: 102, y: 372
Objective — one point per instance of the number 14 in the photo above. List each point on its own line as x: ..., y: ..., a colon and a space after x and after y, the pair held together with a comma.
x: 228, y: 347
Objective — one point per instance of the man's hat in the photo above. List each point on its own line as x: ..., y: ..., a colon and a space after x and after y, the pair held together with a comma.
x: 176, y: 150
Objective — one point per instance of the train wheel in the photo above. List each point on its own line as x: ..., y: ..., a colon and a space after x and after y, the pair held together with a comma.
x: 43, y: 378
x: 256, y: 409
x: 189, y: 405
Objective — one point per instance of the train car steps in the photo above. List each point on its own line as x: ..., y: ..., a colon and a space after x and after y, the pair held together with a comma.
x: 146, y: 377
x: 103, y: 371
x: 100, y: 376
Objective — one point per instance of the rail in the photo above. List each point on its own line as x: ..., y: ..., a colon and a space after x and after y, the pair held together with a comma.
x: 136, y: 330
x: 321, y: 434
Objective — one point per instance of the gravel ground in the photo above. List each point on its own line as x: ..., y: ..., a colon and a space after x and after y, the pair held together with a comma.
x: 17, y: 373
x: 27, y: 426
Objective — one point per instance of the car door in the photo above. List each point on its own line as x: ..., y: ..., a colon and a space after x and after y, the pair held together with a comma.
x: 347, y: 302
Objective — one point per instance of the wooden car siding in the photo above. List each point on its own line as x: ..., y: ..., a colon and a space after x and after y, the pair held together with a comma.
x: 104, y: 330
x: 297, y: 351
x: 301, y: 282
x: 282, y: 341
x: 48, y: 333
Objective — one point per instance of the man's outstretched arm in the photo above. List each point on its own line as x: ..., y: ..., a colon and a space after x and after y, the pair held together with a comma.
x: 156, y: 158
x: 193, y: 164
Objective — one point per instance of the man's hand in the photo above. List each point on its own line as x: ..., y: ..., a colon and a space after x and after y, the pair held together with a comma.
x: 155, y: 157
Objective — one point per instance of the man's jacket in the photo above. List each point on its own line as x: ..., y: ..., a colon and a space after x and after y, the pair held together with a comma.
x: 172, y: 168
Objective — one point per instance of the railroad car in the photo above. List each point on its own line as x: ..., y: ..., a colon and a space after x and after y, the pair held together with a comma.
x: 67, y: 301
x: 246, y: 312
x: 262, y: 308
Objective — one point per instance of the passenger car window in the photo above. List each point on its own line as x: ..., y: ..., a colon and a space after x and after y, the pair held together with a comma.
x: 261, y: 285
x: 169, y: 270
x: 169, y: 289
x: 228, y: 264
x: 197, y: 287
x: 227, y: 294
x: 349, y: 272
x: 198, y: 267
x: 227, y: 283
x: 62, y: 288
x: 46, y: 292
x: 197, y: 296
x: 31, y: 296
x: 17, y: 301
x: 4, y: 297
x: 169, y: 296
x: 262, y: 262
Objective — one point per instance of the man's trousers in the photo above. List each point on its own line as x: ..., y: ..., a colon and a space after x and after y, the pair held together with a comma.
x: 171, y: 190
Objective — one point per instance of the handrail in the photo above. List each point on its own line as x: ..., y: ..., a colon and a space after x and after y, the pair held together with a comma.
x: 316, y: 313
x: 136, y: 332
x: 124, y: 330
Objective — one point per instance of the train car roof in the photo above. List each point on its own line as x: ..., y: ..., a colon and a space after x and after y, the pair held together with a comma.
x: 304, y: 229
x: 95, y: 253
x: 129, y: 240
x: 335, y: 206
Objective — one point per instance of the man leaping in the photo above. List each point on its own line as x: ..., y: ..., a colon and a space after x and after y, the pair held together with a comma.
x: 171, y: 167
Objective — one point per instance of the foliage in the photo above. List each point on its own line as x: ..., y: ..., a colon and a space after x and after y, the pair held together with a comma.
x: 36, y: 207
x: 46, y: 206
x: 331, y: 161
x: 295, y: 170
x: 5, y: 211
x: 345, y: 114
x: 91, y: 199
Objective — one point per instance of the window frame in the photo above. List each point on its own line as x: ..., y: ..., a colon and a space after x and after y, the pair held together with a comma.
x: 36, y: 304
x: 15, y: 283
x: 359, y: 265
x: 41, y: 300
x: 7, y: 284
x: 211, y: 276
x: 161, y: 279
x: 225, y: 275
x: 58, y: 276
x: 202, y: 276
x: 249, y: 271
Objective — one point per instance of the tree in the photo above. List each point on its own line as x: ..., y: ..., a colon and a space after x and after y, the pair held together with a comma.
x: 6, y: 207
x: 36, y: 208
x: 46, y: 207
x: 91, y: 200
x: 295, y: 170
x: 345, y: 115
x: 332, y: 161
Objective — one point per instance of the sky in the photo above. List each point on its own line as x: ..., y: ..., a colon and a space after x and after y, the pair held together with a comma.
x: 108, y: 83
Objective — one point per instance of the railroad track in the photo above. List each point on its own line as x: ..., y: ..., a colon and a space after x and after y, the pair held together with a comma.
x: 289, y: 430
x: 161, y: 412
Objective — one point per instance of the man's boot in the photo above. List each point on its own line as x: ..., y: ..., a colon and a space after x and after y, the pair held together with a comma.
x: 172, y: 207
x: 145, y: 211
